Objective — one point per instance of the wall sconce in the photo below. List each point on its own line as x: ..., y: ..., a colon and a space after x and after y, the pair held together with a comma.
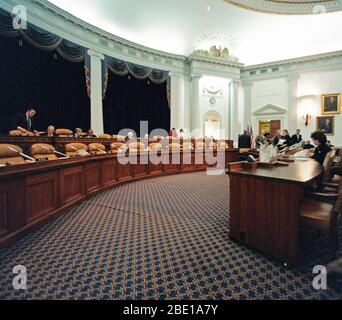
x: 307, y: 117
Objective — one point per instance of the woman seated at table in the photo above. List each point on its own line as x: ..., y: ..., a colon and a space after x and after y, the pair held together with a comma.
x: 322, y: 149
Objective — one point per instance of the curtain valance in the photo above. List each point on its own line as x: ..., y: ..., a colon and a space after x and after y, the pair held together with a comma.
x: 41, y: 39
x: 122, y: 68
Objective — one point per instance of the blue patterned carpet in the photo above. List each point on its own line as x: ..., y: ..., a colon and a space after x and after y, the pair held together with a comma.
x: 163, y: 238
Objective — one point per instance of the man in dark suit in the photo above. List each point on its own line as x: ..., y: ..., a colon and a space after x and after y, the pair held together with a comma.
x: 24, y: 121
x: 245, y: 140
x: 296, y: 138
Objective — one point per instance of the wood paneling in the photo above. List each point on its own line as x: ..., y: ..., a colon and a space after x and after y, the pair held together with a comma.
x: 73, y: 187
x: 41, y: 195
x: 265, y: 206
x: 31, y: 194
x: 93, y: 173
x: 110, y: 172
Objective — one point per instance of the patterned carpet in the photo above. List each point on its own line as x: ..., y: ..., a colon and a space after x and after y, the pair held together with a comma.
x: 163, y: 238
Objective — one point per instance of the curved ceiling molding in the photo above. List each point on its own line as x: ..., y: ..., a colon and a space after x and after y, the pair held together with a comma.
x: 289, y: 6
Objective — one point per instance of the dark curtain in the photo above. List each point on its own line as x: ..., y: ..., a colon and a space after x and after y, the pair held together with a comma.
x: 45, y: 80
x: 129, y: 101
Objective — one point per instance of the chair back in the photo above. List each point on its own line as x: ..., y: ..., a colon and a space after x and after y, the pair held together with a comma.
x: 18, y: 133
x: 119, y: 138
x: 136, y: 146
x: 97, y: 148
x: 43, y: 150
x: 104, y: 136
x: 155, y: 146
x: 116, y: 146
x: 8, y: 156
x: 338, y: 205
x: 327, y: 166
x: 157, y: 138
x: 63, y: 132
x: 72, y: 149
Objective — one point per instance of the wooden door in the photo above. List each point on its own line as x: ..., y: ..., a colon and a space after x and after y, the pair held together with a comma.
x: 275, y: 125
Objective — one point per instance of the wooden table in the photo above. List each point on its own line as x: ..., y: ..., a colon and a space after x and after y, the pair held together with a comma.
x: 265, y: 204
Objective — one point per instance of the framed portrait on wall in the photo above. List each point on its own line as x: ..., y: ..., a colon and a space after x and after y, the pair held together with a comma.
x: 326, y: 125
x: 331, y: 103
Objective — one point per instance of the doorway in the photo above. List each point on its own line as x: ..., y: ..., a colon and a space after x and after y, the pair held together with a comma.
x: 212, y: 125
x: 270, y: 127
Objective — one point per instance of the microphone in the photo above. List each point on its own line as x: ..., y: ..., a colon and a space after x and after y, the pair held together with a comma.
x: 22, y: 154
x: 56, y: 152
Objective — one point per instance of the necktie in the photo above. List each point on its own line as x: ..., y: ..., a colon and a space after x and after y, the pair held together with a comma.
x: 28, y: 124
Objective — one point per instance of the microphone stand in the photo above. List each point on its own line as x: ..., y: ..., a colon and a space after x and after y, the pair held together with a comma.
x: 56, y: 152
x: 22, y: 154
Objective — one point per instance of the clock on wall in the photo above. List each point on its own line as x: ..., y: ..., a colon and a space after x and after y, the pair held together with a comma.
x: 212, y: 101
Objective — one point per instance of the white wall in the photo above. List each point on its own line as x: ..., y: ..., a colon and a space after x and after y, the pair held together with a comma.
x: 273, y: 92
x: 311, y: 86
x: 221, y: 106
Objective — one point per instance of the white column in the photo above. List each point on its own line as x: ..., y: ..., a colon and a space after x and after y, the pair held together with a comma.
x: 234, y: 110
x: 195, y: 103
x: 187, y: 103
x: 247, y: 88
x: 177, y: 101
x: 96, y: 91
x: 292, y: 103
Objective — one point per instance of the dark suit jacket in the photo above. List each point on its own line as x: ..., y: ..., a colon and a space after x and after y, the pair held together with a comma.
x: 245, y: 141
x: 321, y: 152
x: 20, y: 120
x: 295, y: 139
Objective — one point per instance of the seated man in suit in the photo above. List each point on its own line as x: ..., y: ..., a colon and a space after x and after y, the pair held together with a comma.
x: 50, y: 132
x: 25, y: 121
x: 296, y: 138
x: 90, y: 134
x: 78, y: 133
x: 245, y: 140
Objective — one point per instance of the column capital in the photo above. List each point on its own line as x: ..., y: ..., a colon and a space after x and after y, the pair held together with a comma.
x: 195, y: 76
x: 247, y: 83
x: 235, y: 82
x: 96, y: 54
x: 293, y: 77
x: 175, y: 75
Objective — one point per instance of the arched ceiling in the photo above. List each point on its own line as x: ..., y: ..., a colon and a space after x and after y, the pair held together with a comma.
x: 180, y: 26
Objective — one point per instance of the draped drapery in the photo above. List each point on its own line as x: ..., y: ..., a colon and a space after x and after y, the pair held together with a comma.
x: 30, y: 77
x: 122, y: 68
x: 71, y: 52
x: 129, y: 101
x: 42, y: 39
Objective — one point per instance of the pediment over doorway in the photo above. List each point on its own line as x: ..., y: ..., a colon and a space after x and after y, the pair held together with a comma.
x: 270, y: 109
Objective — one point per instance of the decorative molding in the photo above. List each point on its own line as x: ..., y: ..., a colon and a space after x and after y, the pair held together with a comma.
x: 269, y: 109
x: 284, y: 68
x: 53, y: 19
x: 289, y: 7
x: 214, y: 67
